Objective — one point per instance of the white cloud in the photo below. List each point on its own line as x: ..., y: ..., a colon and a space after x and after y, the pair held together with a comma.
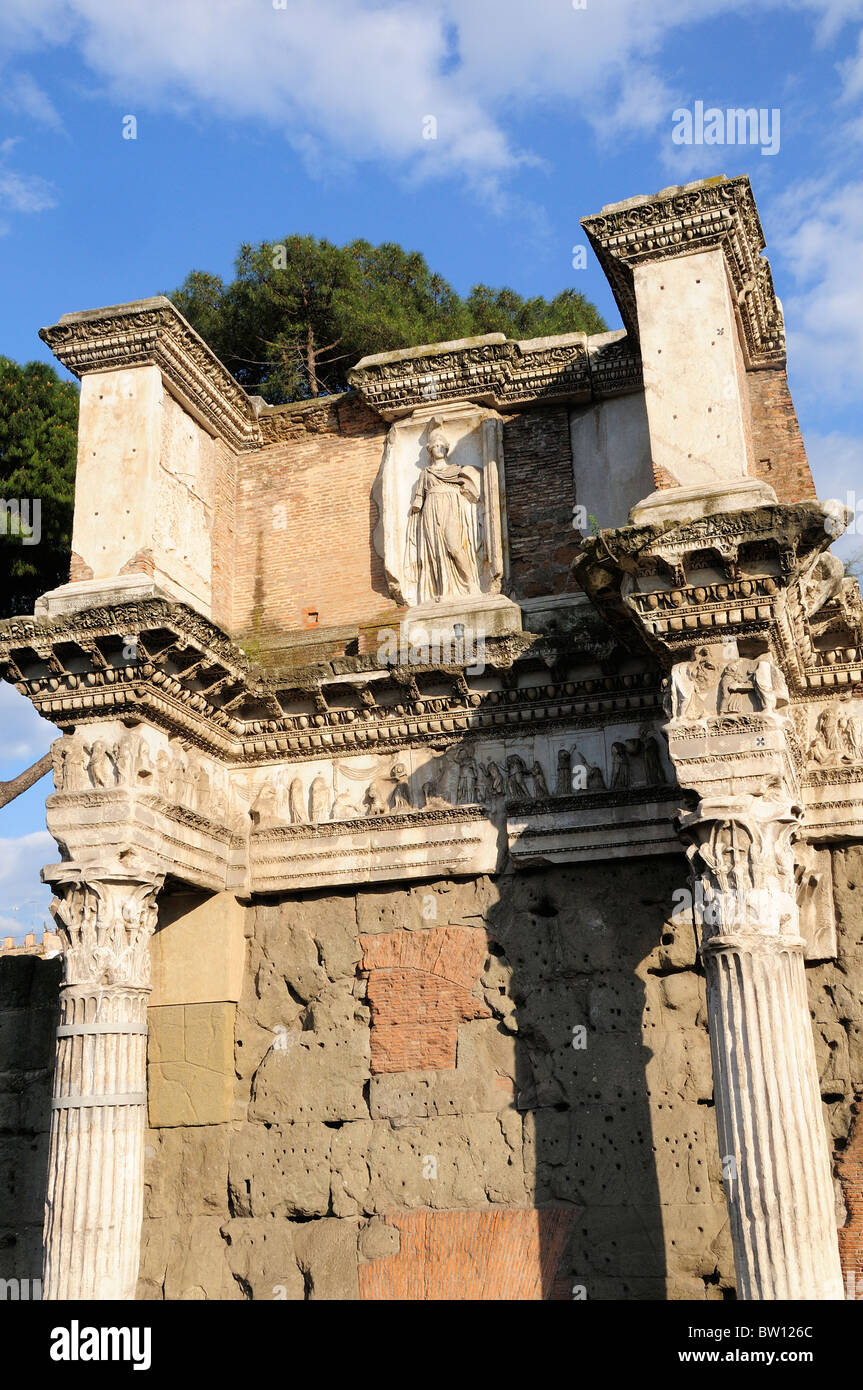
x: 836, y: 460
x: 818, y: 230
x: 355, y: 78
x: 23, y: 96
x: 25, y: 899
x: 25, y: 734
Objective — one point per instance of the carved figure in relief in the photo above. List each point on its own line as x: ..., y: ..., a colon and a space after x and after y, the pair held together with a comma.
x: 164, y: 775
x: 770, y: 687
x: 433, y: 800
x: 654, y: 772
x: 179, y: 773
x: 379, y: 796
x: 264, y: 809
x: 401, y: 798
x: 319, y: 800
x: 563, y: 786
x: 594, y: 778
x: 200, y: 781
x: 75, y: 765
x: 688, y: 685
x: 124, y: 754
x: 736, y: 681
x: 101, y: 765
x: 467, y: 778
x: 144, y: 771
x: 441, y: 538
x: 516, y: 773
x: 494, y: 778
x: 60, y: 751
x: 823, y: 582
x: 540, y: 786
x: 220, y: 794
x: 621, y: 766
x: 851, y: 733
x: 344, y: 808
x: 296, y: 803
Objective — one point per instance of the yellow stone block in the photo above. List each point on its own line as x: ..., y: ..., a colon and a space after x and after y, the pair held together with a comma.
x: 198, y: 952
x: 190, y: 1064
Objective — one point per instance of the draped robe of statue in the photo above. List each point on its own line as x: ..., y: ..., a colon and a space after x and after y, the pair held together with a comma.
x: 441, y: 539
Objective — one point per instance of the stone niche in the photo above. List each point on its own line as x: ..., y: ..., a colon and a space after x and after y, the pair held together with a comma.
x: 442, y: 530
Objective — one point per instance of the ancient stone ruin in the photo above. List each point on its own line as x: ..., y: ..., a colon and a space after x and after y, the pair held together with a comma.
x: 459, y: 817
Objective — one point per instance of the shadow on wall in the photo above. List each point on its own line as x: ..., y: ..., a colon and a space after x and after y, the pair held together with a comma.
x: 613, y: 1082
x: 29, y: 988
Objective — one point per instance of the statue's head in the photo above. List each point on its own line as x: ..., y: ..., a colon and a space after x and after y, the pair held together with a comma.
x: 436, y: 441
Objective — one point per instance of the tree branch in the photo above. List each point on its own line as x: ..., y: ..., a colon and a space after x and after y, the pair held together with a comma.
x: 9, y: 790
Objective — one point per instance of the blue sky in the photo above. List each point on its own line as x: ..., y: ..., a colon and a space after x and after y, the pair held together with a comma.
x: 257, y: 119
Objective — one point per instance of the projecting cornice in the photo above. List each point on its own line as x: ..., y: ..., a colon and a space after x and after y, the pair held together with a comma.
x: 153, y: 332
x: 715, y: 213
x: 499, y: 372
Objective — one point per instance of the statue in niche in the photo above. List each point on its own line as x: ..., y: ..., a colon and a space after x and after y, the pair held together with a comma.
x: 319, y: 800
x: 296, y: 807
x: 442, y: 527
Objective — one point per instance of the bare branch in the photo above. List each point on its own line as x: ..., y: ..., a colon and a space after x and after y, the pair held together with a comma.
x: 9, y: 790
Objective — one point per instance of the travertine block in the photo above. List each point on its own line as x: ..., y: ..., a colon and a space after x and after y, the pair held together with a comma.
x: 198, y: 952
x: 191, y: 1064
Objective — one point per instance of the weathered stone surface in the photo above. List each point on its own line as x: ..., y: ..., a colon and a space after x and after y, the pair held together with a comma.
x: 280, y: 1170
x: 191, y: 1064
x: 262, y: 1258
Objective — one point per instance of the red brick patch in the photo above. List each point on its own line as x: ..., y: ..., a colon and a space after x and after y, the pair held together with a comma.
x: 467, y: 1255
x: 419, y: 991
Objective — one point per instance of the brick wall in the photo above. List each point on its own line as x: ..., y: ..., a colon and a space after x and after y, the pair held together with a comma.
x: 850, y: 1171
x: 305, y: 520
x: 540, y: 496
x: 777, y: 444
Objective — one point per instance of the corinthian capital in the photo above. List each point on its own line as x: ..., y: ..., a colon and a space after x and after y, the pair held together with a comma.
x: 105, y: 919
x: 741, y: 859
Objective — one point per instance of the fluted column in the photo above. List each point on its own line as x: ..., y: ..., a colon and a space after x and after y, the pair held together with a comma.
x: 94, y: 1198
x: 772, y: 1140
